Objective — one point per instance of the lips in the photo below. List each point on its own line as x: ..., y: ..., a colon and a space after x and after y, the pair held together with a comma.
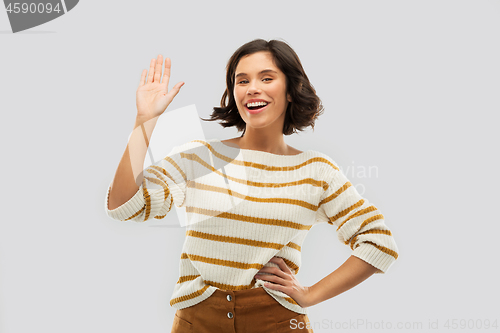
x: 256, y: 110
x: 257, y: 104
x: 254, y: 106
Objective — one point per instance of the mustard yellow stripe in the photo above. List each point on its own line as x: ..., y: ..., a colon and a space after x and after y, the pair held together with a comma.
x: 185, y: 278
x: 190, y: 296
x: 171, y: 161
x: 371, y: 219
x: 336, y: 194
x: 310, y: 181
x: 345, y: 212
x: 359, y: 213
x: 136, y: 214
x: 147, y: 197
x: 223, y: 286
x: 166, y: 191
x: 158, y: 181
x: 204, y: 187
x: 171, y: 202
x: 362, y: 212
x: 290, y: 300
x: 291, y: 264
x: 157, y: 171
x: 353, y: 240
x: 384, y: 249
x: 220, y: 262
x: 234, y: 240
x: 155, y: 168
x: 244, y: 241
x: 233, y: 264
x: 294, y: 246
x: 169, y: 207
x: 244, y: 218
x: 262, y: 166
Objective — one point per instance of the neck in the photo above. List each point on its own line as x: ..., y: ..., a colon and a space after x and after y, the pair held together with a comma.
x: 274, y: 143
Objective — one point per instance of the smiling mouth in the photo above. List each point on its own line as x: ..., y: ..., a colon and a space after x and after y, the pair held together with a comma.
x: 256, y: 106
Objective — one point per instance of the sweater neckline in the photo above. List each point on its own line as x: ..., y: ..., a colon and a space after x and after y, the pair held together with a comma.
x: 261, y: 153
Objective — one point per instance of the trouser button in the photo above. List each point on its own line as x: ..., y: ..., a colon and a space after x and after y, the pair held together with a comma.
x: 229, y: 298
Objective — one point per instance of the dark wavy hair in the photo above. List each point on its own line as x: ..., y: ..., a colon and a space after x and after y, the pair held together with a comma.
x: 305, y: 106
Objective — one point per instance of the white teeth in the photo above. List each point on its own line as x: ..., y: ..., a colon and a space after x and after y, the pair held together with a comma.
x: 256, y: 104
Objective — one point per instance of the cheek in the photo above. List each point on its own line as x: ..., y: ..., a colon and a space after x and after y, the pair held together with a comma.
x: 278, y: 93
x: 237, y: 95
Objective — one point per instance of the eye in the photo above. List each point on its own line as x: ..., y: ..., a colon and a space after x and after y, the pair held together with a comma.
x: 267, y: 78
x: 243, y: 81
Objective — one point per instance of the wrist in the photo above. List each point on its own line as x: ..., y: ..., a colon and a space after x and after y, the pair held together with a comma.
x: 145, y: 121
x: 311, y: 299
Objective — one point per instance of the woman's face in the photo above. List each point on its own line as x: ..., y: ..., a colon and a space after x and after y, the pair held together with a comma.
x: 260, y: 91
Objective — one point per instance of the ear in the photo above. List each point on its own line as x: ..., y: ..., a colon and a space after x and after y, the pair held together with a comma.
x: 288, y: 98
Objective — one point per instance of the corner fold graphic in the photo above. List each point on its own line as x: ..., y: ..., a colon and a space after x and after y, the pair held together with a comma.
x: 29, y: 14
x: 70, y: 4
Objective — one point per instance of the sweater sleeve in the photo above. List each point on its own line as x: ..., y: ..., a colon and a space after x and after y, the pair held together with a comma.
x: 359, y: 224
x: 164, y: 184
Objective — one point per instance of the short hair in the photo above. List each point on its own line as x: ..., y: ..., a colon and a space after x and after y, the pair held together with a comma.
x: 305, y: 106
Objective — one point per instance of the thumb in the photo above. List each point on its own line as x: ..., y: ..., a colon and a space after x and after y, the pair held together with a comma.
x: 175, y: 90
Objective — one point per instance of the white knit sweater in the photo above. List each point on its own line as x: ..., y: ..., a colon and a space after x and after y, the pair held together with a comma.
x: 244, y: 207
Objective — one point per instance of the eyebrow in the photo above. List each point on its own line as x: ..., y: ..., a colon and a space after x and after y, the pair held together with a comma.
x: 261, y: 72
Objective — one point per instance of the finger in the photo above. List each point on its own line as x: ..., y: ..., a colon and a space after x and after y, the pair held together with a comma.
x: 277, y: 272
x: 151, y: 70
x: 143, y: 78
x: 166, y: 73
x: 266, y: 277
x: 275, y: 286
x: 157, y: 76
x: 175, y: 90
x: 268, y: 269
x: 281, y: 263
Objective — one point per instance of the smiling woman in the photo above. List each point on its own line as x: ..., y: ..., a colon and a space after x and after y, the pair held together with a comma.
x: 250, y: 201
x: 269, y: 72
x: 261, y: 92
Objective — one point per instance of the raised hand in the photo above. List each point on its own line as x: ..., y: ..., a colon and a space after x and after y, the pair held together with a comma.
x: 153, y: 96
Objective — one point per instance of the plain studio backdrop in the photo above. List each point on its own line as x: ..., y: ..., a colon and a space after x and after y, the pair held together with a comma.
x: 411, y: 96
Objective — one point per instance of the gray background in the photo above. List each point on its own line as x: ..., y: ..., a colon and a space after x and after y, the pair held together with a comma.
x: 410, y: 87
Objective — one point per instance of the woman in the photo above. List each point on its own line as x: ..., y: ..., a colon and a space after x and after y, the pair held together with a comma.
x: 249, y: 217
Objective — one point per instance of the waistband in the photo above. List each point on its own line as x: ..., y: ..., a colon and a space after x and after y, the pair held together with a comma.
x: 242, y: 298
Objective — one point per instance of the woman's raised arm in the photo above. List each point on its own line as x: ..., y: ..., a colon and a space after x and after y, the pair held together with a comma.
x: 152, y: 100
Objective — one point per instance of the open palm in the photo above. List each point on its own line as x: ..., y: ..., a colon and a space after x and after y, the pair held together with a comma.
x: 153, y: 96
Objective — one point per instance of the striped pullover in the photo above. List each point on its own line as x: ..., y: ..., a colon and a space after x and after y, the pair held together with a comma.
x: 244, y: 207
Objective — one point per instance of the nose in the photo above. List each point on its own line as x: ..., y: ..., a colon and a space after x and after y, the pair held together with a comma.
x: 253, y: 88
